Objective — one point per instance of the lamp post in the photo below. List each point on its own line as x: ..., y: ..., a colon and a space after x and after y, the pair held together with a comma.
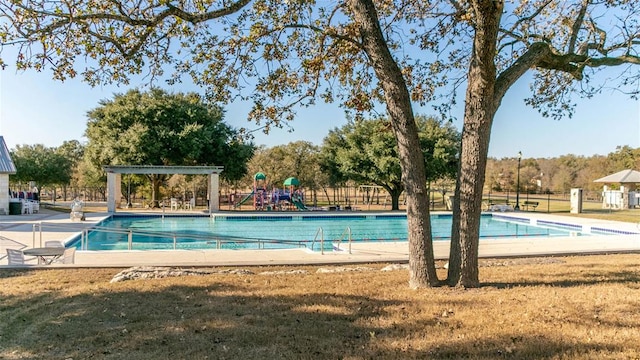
x: 518, y: 183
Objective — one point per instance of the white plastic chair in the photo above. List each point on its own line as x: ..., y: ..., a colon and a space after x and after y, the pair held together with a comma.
x: 35, y: 206
x: 16, y: 257
x: 53, y: 243
x: 69, y: 255
x: 191, y: 205
x: 27, y: 207
x: 174, y: 204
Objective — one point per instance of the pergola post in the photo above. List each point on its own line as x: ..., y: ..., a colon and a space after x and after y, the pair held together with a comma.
x: 113, y: 191
x: 214, y: 193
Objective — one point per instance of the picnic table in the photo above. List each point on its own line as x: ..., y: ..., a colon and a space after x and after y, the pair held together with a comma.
x: 46, y: 255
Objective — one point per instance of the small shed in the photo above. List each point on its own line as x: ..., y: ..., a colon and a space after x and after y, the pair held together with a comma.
x: 627, y: 196
x: 7, y: 167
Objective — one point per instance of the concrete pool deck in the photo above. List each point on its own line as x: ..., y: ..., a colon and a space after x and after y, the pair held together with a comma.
x: 17, y: 231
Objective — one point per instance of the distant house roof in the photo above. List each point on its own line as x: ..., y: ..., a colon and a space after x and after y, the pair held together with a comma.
x: 624, y: 177
x: 6, y: 164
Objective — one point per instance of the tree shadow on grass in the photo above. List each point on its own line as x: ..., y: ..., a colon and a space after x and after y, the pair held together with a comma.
x: 16, y: 272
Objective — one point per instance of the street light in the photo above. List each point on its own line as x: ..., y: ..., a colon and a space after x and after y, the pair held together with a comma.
x: 518, y: 183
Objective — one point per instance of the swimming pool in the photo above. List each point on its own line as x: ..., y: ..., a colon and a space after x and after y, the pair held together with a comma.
x: 123, y: 232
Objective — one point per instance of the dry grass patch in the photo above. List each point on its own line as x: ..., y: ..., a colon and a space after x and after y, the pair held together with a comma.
x: 577, y: 308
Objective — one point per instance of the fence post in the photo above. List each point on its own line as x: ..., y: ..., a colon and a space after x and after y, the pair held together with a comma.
x: 548, y: 202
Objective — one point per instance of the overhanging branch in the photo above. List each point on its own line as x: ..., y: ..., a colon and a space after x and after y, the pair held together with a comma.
x: 525, y: 62
x: 542, y: 55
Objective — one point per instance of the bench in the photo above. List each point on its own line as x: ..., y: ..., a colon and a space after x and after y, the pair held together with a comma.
x: 533, y: 204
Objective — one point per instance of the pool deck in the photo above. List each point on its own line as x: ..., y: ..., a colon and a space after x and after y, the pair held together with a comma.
x: 16, y: 231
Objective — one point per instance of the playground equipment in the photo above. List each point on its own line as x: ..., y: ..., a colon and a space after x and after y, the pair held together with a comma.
x: 296, y: 197
x: 260, y: 201
x: 263, y: 199
x: 258, y: 192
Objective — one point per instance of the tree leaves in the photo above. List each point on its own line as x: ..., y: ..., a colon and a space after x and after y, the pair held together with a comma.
x: 366, y: 152
x: 158, y: 128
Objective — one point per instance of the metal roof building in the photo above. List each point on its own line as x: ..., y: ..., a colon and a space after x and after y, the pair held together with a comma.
x: 6, y: 167
x: 6, y: 164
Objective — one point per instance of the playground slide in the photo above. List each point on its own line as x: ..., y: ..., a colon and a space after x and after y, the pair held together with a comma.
x: 245, y: 199
x: 299, y: 205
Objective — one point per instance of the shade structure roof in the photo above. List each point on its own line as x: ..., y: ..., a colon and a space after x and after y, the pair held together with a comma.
x: 291, y: 182
x: 624, y: 177
x: 162, y: 169
x: 6, y: 164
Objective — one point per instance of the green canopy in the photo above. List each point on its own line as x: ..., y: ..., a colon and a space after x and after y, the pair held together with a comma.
x: 259, y: 176
x: 291, y: 181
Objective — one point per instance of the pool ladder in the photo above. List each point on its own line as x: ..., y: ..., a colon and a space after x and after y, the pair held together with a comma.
x: 320, y: 232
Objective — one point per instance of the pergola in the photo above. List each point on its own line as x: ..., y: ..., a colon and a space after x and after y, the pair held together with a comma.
x: 114, y: 173
x: 627, y: 196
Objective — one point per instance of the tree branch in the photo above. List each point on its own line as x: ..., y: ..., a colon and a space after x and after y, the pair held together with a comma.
x: 532, y: 16
x: 525, y: 62
x: 67, y: 19
x: 198, y: 18
x: 542, y: 55
x: 575, y: 28
x: 331, y: 34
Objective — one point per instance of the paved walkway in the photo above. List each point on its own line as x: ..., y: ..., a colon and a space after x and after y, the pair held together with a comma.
x: 17, y: 231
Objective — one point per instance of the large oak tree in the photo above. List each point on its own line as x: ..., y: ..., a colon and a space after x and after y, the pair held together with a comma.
x: 565, y: 42
x: 365, y: 151
x: 158, y: 128
x: 46, y: 166
x: 280, y: 55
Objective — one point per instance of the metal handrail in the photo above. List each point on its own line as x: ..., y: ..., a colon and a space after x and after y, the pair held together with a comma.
x: 37, y: 227
x: 347, y: 232
x: 315, y: 237
x: 219, y: 239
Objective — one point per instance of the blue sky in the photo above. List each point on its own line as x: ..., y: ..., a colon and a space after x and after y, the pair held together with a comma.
x: 37, y: 110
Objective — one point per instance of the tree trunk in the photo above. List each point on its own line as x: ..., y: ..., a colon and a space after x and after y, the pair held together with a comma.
x: 326, y: 194
x: 478, y: 117
x: 156, y: 181
x: 422, y: 272
x: 395, y: 197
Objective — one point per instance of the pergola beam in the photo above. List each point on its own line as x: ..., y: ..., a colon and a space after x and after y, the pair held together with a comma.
x: 153, y: 169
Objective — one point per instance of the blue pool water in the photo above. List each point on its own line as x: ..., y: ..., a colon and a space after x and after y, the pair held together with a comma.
x: 241, y: 232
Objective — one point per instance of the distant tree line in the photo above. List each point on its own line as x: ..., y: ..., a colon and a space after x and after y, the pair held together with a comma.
x: 559, y: 174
